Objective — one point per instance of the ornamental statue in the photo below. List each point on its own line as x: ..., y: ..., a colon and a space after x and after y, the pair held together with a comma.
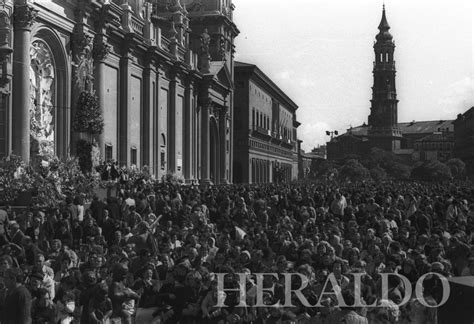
x: 85, y: 68
x: 205, y: 41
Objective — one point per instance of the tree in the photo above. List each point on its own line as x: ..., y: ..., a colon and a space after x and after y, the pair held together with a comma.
x: 399, y: 171
x: 431, y: 170
x: 457, y: 168
x: 354, y: 170
x: 321, y: 167
x: 378, y: 174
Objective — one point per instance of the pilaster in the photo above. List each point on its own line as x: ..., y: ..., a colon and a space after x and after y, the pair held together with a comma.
x: 206, y: 107
x: 188, y: 130
x: 149, y: 74
x: 125, y: 91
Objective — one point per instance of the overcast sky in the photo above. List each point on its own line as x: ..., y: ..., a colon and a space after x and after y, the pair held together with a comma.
x: 320, y: 52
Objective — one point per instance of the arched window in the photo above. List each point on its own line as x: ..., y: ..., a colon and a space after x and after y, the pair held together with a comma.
x: 42, y: 96
x: 163, y: 139
x: 386, y: 57
x: 253, y: 118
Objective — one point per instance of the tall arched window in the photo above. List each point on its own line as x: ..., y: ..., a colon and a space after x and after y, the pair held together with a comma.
x: 42, y: 96
x: 253, y: 118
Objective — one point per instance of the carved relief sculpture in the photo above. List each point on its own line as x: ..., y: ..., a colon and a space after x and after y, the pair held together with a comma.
x: 205, y: 41
x: 85, y: 68
x: 5, y: 49
x: 23, y: 16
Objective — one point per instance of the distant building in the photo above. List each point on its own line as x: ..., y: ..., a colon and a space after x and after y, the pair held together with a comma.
x: 464, y: 139
x: 437, y: 146
x: 307, y: 159
x: 265, y: 138
x: 419, y: 141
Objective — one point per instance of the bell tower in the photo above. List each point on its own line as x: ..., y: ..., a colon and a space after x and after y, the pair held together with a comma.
x: 384, y: 132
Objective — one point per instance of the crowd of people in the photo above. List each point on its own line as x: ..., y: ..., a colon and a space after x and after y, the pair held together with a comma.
x: 150, y: 254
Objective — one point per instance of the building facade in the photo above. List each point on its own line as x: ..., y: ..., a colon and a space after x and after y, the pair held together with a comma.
x: 162, y: 71
x: 464, y: 139
x: 266, y: 145
x: 420, y: 141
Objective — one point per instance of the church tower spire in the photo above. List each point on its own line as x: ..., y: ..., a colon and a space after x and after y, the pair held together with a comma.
x: 383, y: 119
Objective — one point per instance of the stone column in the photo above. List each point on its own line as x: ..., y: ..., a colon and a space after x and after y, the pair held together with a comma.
x: 23, y: 17
x: 205, y: 156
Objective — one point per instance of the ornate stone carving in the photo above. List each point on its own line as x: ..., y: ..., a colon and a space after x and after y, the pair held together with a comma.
x: 205, y: 41
x: 24, y: 16
x: 195, y: 6
x: 42, y: 78
x: 5, y: 34
x: 84, y: 68
x: 100, y: 48
x: 222, y: 48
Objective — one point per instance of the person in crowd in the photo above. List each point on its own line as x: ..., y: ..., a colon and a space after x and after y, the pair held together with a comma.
x: 18, y: 301
x: 122, y: 262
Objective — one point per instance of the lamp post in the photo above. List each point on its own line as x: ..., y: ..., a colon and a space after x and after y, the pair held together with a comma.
x: 332, y: 133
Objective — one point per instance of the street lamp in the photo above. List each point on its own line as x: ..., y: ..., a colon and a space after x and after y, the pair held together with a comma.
x: 332, y: 133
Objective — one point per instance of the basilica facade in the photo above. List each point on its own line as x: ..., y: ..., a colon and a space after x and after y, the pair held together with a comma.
x: 162, y: 71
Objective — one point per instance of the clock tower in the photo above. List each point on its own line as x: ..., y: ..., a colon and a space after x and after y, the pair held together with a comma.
x: 384, y: 132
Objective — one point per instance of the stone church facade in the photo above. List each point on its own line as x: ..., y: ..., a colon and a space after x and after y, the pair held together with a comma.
x: 162, y: 70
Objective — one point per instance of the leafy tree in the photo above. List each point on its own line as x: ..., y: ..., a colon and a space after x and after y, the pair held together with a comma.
x: 431, y: 170
x: 399, y: 171
x: 457, y: 168
x: 353, y: 170
x: 378, y: 174
x: 321, y: 167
